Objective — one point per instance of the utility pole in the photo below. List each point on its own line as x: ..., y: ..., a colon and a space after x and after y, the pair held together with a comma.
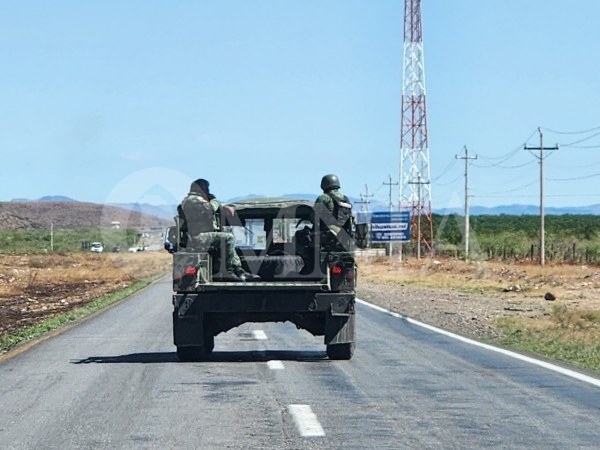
x: 466, y: 158
x: 541, y: 148
x: 390, y: 184
x: 419, y: 209
x: 364, y: 199
x: 51, y: 237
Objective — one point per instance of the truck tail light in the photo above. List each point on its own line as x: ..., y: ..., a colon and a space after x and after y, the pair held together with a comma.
x: 191, y: 271
x: 337, y: 270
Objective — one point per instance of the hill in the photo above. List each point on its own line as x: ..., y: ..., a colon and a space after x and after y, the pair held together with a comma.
x: 167, y: 212
x: 73, y: 214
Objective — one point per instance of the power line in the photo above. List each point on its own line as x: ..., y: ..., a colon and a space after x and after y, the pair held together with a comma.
x: 580, y: 140
x: 582, y: 146
x: 447, y: 183
x: 445, y: 170
x: 584, y: 166
x: 528, y: 163
x: 503, y: 158
x: 497, y: 193
x: 572, y: 132
x: 584, y: 177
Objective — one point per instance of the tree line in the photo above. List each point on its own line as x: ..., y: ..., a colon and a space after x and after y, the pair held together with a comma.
x: 568, y: 237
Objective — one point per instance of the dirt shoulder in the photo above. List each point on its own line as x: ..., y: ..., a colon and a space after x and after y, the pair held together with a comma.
x: 34, y: 288
x: 469, y: 297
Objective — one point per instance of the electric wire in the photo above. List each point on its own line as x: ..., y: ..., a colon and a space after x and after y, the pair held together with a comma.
x: 528, y: 163
x: 503, y: 158
x: 451, y: 181
x: 584, y: 177
x: 582, y: 146
x: 570, y: 144
x: 450, y: 165
x: 571, y: 132
x: 513, y: 190
x: 563, y: 167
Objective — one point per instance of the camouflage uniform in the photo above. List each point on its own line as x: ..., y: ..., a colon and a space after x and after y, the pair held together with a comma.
x: 331, y: 218
x: 201, y: 219
x: 325, y: 203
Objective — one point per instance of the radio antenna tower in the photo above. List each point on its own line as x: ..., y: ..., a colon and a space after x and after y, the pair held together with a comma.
x: 415, y: 187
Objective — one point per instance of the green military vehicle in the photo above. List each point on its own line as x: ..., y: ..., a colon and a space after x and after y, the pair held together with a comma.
x: 303, y: 279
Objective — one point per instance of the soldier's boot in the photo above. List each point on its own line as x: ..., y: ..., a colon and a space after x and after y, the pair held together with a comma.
x: 246, y: 276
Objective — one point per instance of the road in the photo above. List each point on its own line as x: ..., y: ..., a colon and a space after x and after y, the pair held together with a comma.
x: 114, y: 382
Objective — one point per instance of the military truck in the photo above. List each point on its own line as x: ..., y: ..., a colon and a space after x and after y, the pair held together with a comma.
x: 305, y: 278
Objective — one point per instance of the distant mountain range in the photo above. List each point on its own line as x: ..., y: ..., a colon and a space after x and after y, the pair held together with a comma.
x: 26, y: 214
x: 169, y: 211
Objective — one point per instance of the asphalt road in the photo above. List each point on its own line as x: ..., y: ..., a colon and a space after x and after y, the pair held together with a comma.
x: 114, y: 382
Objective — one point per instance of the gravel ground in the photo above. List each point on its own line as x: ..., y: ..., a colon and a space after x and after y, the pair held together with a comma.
x: 467, y: 298
x: 453, y: 311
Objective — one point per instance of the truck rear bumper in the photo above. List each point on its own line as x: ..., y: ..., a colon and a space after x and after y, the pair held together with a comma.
x: 339, y: 304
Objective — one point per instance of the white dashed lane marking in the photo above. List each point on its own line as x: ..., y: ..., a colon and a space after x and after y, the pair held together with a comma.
x: 259, y: 335
x: 275, y: 365
x: 306, y: 421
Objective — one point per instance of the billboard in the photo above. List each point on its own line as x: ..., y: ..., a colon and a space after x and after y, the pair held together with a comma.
x: 390, y: 226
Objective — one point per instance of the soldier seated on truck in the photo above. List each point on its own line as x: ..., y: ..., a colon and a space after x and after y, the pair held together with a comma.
x: 334, y: 211
x: 199, y: 219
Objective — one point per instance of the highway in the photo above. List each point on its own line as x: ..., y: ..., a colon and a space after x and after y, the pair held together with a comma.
x: 114, y: 382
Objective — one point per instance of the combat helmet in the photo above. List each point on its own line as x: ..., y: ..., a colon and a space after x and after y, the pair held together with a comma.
x: 329, y: 182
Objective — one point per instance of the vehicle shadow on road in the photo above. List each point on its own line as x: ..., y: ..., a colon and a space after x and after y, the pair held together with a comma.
x: 267, y: 355
x: 233, y: 356
x: 131, y: 358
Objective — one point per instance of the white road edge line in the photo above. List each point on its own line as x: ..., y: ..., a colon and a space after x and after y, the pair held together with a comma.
x: 275, y: 365
x: 537, y: 362
x: 259, y: 335
x: 306, y: 421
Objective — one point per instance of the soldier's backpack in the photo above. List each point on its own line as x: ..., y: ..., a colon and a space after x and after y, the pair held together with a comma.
x: 342, y: 211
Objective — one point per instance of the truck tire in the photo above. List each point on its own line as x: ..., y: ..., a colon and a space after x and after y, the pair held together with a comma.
x: 341, y: 351
x: 191, y: 353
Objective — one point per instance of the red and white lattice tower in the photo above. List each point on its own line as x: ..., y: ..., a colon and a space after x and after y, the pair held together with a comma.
x: 415, y: 187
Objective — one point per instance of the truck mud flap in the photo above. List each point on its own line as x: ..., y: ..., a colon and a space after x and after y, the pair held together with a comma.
x: 339, y: 329
x: 188, y: 331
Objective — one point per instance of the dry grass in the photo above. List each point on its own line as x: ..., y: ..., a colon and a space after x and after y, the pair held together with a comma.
x: 572, y: 283
x: 36, y: 287
x: 18, y: 273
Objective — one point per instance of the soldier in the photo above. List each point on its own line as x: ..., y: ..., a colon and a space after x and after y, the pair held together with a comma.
x: 334, y: 211
x: 199, y: 214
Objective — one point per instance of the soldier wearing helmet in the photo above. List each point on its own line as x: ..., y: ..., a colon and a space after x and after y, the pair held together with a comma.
x: 199, y: 215
x: 333, y: 209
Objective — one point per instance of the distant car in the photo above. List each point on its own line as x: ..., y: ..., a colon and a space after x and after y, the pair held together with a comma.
x: 96, y: 247
x: 116, y: 249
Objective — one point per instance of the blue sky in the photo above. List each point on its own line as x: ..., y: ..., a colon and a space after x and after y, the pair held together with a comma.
x: 120, y: 101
